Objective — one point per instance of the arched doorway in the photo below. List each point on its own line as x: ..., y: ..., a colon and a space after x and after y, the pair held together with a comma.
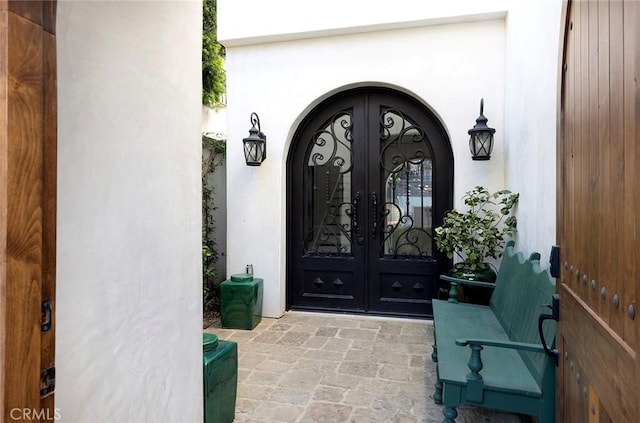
x: 369, y: 175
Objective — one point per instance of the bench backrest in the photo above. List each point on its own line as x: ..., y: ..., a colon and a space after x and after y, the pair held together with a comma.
x: 522, y: 288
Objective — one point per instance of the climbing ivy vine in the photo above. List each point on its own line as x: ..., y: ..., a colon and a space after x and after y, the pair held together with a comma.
x: 213, y: 53
x: 213, y: 154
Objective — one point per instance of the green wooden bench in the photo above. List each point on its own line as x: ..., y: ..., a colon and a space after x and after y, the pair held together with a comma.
x: 491, y: 356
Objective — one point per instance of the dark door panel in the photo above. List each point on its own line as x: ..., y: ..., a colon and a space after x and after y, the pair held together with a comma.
x: 328, y: 283
x: 409, y: 291
x: 362, y: 205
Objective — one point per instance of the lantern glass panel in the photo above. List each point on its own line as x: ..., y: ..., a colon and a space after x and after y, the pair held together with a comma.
x: 481, y: 145
x: 254, y: 152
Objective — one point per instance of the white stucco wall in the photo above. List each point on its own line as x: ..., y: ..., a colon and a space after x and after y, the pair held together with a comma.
x: 531, y: 89
x: 129, y: 306
x: 250, y: 22
x: 283, y: 80
x: 214, y: 121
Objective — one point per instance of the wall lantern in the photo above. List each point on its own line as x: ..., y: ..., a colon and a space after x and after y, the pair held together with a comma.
x: 481, y: 137
x: 255, y: 145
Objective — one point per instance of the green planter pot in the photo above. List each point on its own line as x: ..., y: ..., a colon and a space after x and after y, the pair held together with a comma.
x: 474, y: 294
x: 220, y: 378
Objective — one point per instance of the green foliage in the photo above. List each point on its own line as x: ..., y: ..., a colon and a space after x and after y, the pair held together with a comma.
x: 479, y: 232
x: 213, y: 53
x: 210, y: 292
x: 213, y: 153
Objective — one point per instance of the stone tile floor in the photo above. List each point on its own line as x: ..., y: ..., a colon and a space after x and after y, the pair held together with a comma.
x: 328, y: 368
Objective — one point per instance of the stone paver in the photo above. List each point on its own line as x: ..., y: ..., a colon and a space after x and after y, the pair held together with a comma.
x: 315, y: 368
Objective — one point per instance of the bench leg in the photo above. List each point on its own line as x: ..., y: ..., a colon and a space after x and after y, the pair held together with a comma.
x: 437, y: 395
x: 548, y: 415
x: 434, y: 353
x: 450, y: 414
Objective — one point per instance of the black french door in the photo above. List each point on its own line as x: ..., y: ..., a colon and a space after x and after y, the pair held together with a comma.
x: 370, y: 174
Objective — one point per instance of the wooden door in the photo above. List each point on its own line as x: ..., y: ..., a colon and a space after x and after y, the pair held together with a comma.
x: 27, y: 207
x: 370, y: 174
x: 599, y: 213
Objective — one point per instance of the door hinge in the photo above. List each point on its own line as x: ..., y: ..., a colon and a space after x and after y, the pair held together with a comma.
x: 45, y: 323
x: 47, y: 381
x: 554, y: 262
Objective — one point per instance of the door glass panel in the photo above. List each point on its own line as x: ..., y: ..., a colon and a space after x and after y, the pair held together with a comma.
x: 407, y: 178
x: 330, y: 220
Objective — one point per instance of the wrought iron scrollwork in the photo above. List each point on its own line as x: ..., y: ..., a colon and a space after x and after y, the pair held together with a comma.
x: 405, y: 158
x: 404, y: 238
x: 403, y: 142
x: 328, y: 141
x: 332, y: 216
x: 331, y: 237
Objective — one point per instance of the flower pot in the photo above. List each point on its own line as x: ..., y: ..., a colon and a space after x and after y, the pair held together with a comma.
x: 474, y: 294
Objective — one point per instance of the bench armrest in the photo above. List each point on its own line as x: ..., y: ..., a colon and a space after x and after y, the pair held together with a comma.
x: 474, y: 379
x: 453, y: 291
x: 523, y: 346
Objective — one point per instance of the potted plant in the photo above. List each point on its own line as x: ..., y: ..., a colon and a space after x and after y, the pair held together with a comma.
x: 478, y: 233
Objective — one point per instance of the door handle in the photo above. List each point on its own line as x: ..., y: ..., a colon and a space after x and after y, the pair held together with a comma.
x: 354, y: 218
x: 555, y: 315
x: 374, y: 204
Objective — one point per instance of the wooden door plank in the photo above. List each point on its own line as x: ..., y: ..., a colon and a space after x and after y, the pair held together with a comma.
x: 576, y: 409
x: 578, y: 152
x: 633, y: 18
x: 594, y: 406
x: 28, y: 9
x: 49, y: 8
x: 575, y: 189
x: 591, y: 165
x: 615, y: 189
x: 590, y: 342
x: 569, y: 136
x: 605, y: 255
x: 24, y: 214
x: 47, y: 358
x: 582, y: 152
x: 631, y: 90
x: 4, y: 38
x: 27, y: 202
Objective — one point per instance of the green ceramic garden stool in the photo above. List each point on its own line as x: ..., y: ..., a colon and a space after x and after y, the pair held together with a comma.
x: 220, y: 375
x: 241, y: 302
